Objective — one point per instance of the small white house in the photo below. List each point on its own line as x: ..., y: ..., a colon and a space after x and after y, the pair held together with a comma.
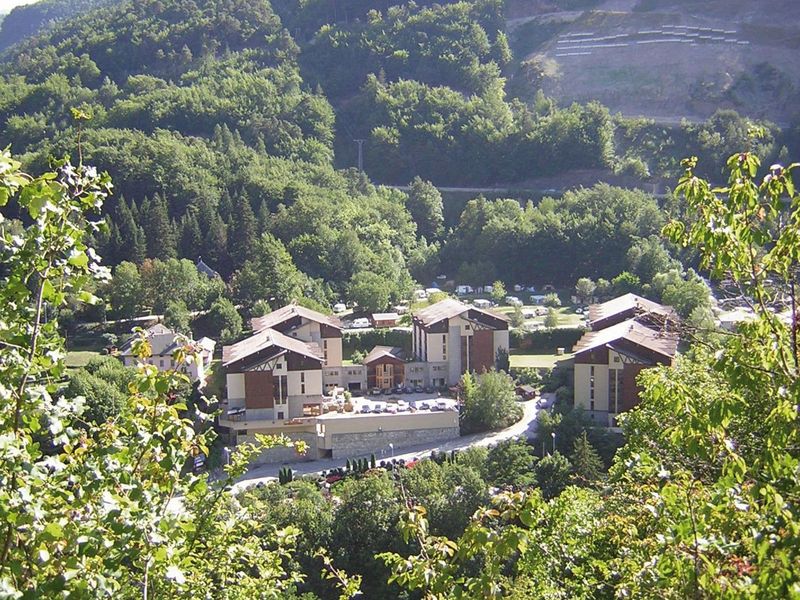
x: 163, y: 344
x: 538, y: 298
x: 482, y: 303
x: 339, y: 307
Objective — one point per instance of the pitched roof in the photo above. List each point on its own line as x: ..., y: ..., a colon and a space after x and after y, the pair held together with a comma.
x: 661, y: 342
x: 449, y: 308
x: 268, y: 338
x: 625, y: 303
x: 203, y: 268
x: 383, y: 352
x: 163, y: 341
x: 290, y: 311
x: 390, y: 316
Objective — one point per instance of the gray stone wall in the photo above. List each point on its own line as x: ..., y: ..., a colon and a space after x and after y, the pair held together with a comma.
x: 283, y: 454
x: 351, y: 445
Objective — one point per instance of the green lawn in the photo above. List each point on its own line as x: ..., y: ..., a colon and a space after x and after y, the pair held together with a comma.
x: 536, y: 361
x: 79, y: 358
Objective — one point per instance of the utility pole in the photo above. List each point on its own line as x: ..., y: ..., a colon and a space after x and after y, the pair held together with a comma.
x: 360, y: 154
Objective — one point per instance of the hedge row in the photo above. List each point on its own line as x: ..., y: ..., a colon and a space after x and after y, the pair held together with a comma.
x: 545, y: 340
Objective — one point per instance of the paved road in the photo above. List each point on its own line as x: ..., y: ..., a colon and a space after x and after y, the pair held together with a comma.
x: 524, y: 427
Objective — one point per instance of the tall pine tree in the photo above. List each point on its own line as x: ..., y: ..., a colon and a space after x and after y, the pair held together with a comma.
x: 587, y: 466
x: 190, y: 243
x: 244, y: 231
x: 158, y: 228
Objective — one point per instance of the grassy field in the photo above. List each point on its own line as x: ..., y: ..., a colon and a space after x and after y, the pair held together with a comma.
x: 536, y: 361
x: 79, y: 358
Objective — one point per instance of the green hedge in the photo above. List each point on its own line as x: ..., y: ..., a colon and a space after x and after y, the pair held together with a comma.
x: 365, y: 341
x: 545, y: 340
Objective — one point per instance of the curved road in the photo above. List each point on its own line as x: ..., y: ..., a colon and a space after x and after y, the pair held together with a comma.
x: 524, y: 427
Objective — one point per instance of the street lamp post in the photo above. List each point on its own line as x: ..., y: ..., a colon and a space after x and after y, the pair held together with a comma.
x: 391, y: 447
x: 554, y: 441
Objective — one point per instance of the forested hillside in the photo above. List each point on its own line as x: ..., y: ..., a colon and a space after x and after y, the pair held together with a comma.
x: 27, y: 20
x: 225, y: 124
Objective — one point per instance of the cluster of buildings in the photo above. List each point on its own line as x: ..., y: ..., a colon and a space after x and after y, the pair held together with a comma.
x: 626, y: 335
x: 279, y: 379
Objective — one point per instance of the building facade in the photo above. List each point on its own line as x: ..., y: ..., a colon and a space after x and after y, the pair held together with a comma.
x: 609, y: 358
x: 163, y: 344
x: 453, y: 338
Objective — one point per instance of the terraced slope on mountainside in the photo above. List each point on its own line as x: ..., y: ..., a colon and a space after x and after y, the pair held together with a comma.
x: 665, y: 59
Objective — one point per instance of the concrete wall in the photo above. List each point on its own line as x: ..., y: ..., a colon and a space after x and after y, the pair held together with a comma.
x: 332, y: 347
x: 235, y: 385
x: 348, y: 435
x: 351, y: 445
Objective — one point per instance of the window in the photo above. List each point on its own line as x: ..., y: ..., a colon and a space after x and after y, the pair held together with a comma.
x: 302, y: 377
x: 591, y: 371
x: 467, y: 327
x: 613, y: 385
x: 616, y: 358
x: 161, y: 362
x: 278, y: 366
x: 280, y: 415
x: 325, y: 349
x: 591, y: 406
x: 302, y: 388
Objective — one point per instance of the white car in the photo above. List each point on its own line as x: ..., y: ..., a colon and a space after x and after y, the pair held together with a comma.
x: 361, y: 323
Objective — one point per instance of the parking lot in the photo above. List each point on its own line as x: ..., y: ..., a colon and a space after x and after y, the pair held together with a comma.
x: 401, y: 403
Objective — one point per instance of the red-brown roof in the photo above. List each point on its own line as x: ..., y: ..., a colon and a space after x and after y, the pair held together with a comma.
x: 660, y: 342
x: 379, y: 352
x: 268, y: 338
x: 290, y: 311
x: 449, y: 308
x: 628, y: 302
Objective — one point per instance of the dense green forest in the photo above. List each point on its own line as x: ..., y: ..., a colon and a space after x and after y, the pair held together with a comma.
x: 701, y: 501
x: 226, y: 125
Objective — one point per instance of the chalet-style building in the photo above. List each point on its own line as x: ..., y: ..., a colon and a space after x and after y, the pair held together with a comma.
x: 163, y: 344
x: 386, y: 367
x: 609, y: 357
x: 278, y: 378
x: 453, y: 338
x: 272, y: 376
x: 630, y: 306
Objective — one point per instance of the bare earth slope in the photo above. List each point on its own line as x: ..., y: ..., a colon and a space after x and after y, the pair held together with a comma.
x: 663, y: 58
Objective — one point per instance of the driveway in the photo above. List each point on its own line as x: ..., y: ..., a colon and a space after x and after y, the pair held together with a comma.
x: 524, y: 427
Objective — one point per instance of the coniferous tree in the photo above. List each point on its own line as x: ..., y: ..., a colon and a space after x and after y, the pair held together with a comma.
x: 215, y: 237
x: 587, y: 467
x: 191, y: 240
x: 159, y: 229
x: 244, y: 227
x: 128, y: 241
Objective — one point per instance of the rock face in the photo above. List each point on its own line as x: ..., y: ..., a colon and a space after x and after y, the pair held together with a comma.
x: 665, y: 59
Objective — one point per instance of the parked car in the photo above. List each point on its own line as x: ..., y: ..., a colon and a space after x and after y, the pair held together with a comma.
x: 424, y: 406
x: 419, y: 389
x: 360, y: 323
x: 398, y: 390
x: 365, y: 408
x: 402, y: 406
x: 408, y: 390
x: 429, y: 389
x: 387, y: 392
x: 442, y: 405
x: 390, y: 409
x: 375, y: 391
x: 378, y: 407
x: 579, y: 311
